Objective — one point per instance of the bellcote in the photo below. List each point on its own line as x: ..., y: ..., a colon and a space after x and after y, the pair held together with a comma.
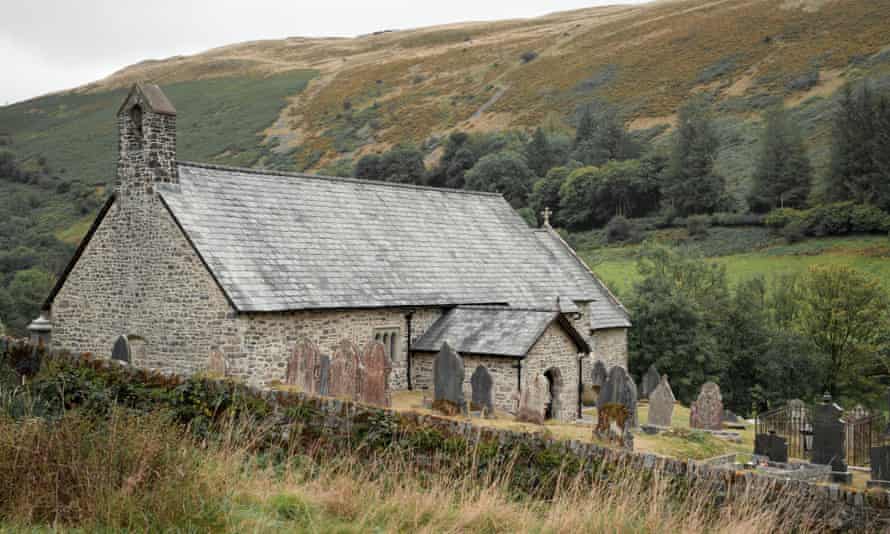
x: 146, y: 142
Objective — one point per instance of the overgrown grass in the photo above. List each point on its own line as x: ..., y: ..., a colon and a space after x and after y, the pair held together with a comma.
x: 144, y: 473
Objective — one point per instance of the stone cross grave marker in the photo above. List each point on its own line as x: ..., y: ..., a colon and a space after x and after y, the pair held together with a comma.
x: 650, y: 382
x: 828, y: 438
x: 482, y: 397
x: 216, y: 364
x: 375, y: 387
x: 533, y: 400
x: 448, y: 381
x: 661, y: 403
x: 619, y: 389
x: 121, y: 350
x: 599, y: 375
x: 707, y: 411
x: 344, y: 371
x: 302, y: 366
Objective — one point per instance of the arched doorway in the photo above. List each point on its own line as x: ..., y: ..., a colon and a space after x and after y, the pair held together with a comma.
x: 554, y: 383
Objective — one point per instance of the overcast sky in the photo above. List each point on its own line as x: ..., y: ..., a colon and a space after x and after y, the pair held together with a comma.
x: 49, y: 45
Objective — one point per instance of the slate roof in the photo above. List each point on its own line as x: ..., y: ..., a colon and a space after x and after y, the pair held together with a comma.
x: 281, y: 241
x: 153, y: 97
x: 494, y: 331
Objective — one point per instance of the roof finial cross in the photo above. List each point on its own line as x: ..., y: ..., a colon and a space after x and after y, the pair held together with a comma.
x: 546, y: 214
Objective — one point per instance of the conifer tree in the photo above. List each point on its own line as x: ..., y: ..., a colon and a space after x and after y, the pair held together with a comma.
x: 783, y: 173
x: 691, y: 184
x: 539, y: 154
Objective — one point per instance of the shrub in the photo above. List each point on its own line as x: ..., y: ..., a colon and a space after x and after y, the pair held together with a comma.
x: 782, y: 217
x: 698, y: 225
x: 529, y: 56
x: 737, y: 219
x: 869, y: 219
x: 794, y: 232
x: 619, y: 229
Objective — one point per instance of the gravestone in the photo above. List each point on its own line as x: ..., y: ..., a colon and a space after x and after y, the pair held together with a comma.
x: 121, y: 350
x: 707, y: 411
x: 880, y: 467
x: 650, y: 381
x: 344, y: 371
x: 619, y: 389
x: 613, y: 424
x: 482, y: 397
x: 599, y: 375
x: 373, y: 376
x: 772, y: 446
x: 324, y: 375
x: 828, y: 439
x: 216, y: 364
x: 661, y: 403
x: 448, y: 381
x: 301, y: 368
x: 730, y: 417
x: 533, y: 400
x: 858, y: 412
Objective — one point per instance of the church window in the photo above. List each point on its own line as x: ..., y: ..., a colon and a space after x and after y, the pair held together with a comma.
x: 389, y: 337
x: 136, y: 119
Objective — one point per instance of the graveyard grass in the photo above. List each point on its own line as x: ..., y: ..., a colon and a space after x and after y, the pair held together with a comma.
x: 144, y: 473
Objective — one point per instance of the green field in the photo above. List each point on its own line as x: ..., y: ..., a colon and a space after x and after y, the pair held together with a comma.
x: 871, y: 254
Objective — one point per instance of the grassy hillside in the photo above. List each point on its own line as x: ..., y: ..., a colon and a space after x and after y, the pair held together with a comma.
x: 749, y: 252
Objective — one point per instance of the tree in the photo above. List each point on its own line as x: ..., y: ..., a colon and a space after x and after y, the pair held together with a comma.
x: 591, y: 196
x: 843, y: 312
x: 539, y: 154
x: 691, y: 184
x: 368, y: 168
x: 25, y: 295
x: 675, y: 311
x: 545, y: 193
x: 783, y: 171
x: 502, y: 172
x: 403, y: 164
x: 602, y: 137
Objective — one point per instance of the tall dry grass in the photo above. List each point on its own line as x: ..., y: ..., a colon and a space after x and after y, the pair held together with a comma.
x: 143, y: 473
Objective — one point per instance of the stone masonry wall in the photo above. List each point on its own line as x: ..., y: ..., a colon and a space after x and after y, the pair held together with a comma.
x: 269, y: 338
x: 503, y: 371
x: 139, y: 277
x: 556, y: 350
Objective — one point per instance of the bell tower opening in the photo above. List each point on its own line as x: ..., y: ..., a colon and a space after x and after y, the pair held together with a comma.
x: 136, y: 120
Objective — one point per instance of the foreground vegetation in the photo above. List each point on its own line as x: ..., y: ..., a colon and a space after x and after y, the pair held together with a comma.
x: 92, y: 447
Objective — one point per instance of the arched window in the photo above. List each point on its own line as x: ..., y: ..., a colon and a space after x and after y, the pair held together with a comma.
x: 136, y: 119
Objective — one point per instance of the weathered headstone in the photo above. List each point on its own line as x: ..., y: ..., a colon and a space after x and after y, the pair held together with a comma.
x: 707, y: 411
x: 619, y: 389
x: 599, y: 375
x: 216, y: 364
x: 344, y: 370
x: 324, y: 375
x: 373, y: 378
x: 828, y: 439
x: 661, y: 403
x: 649, y: 382
x: 880, y: 467
x: 448, y: 381
x: 482, y: 397
x: 533, y: 400
x: 613, y: 424
x: 121, y: 350
x: 772, y: 446
x: 301, y: 367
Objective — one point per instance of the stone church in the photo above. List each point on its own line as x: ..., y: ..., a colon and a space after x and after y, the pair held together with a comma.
x: 189, y: 263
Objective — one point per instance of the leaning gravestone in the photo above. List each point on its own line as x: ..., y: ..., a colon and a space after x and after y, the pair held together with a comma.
x: 619, y: 389
x: 373, y: 376
x: 344, y: 371
x: 650, y: 382
x: 482, y: 397
x: 533, y: 400
x: 828, y: 439
x: 661, y: 403
x: 216, y: 364
x: 448, y: 381
x: 121, y: 350
x: 707, y: 411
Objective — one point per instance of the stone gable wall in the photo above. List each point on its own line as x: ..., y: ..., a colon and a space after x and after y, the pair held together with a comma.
x: 610, y: 346
x: 139, y: 277
x: 555, y: 349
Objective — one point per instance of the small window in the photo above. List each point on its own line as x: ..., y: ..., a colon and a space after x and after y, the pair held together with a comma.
x: 136, y: 119
x: 389, y: 337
